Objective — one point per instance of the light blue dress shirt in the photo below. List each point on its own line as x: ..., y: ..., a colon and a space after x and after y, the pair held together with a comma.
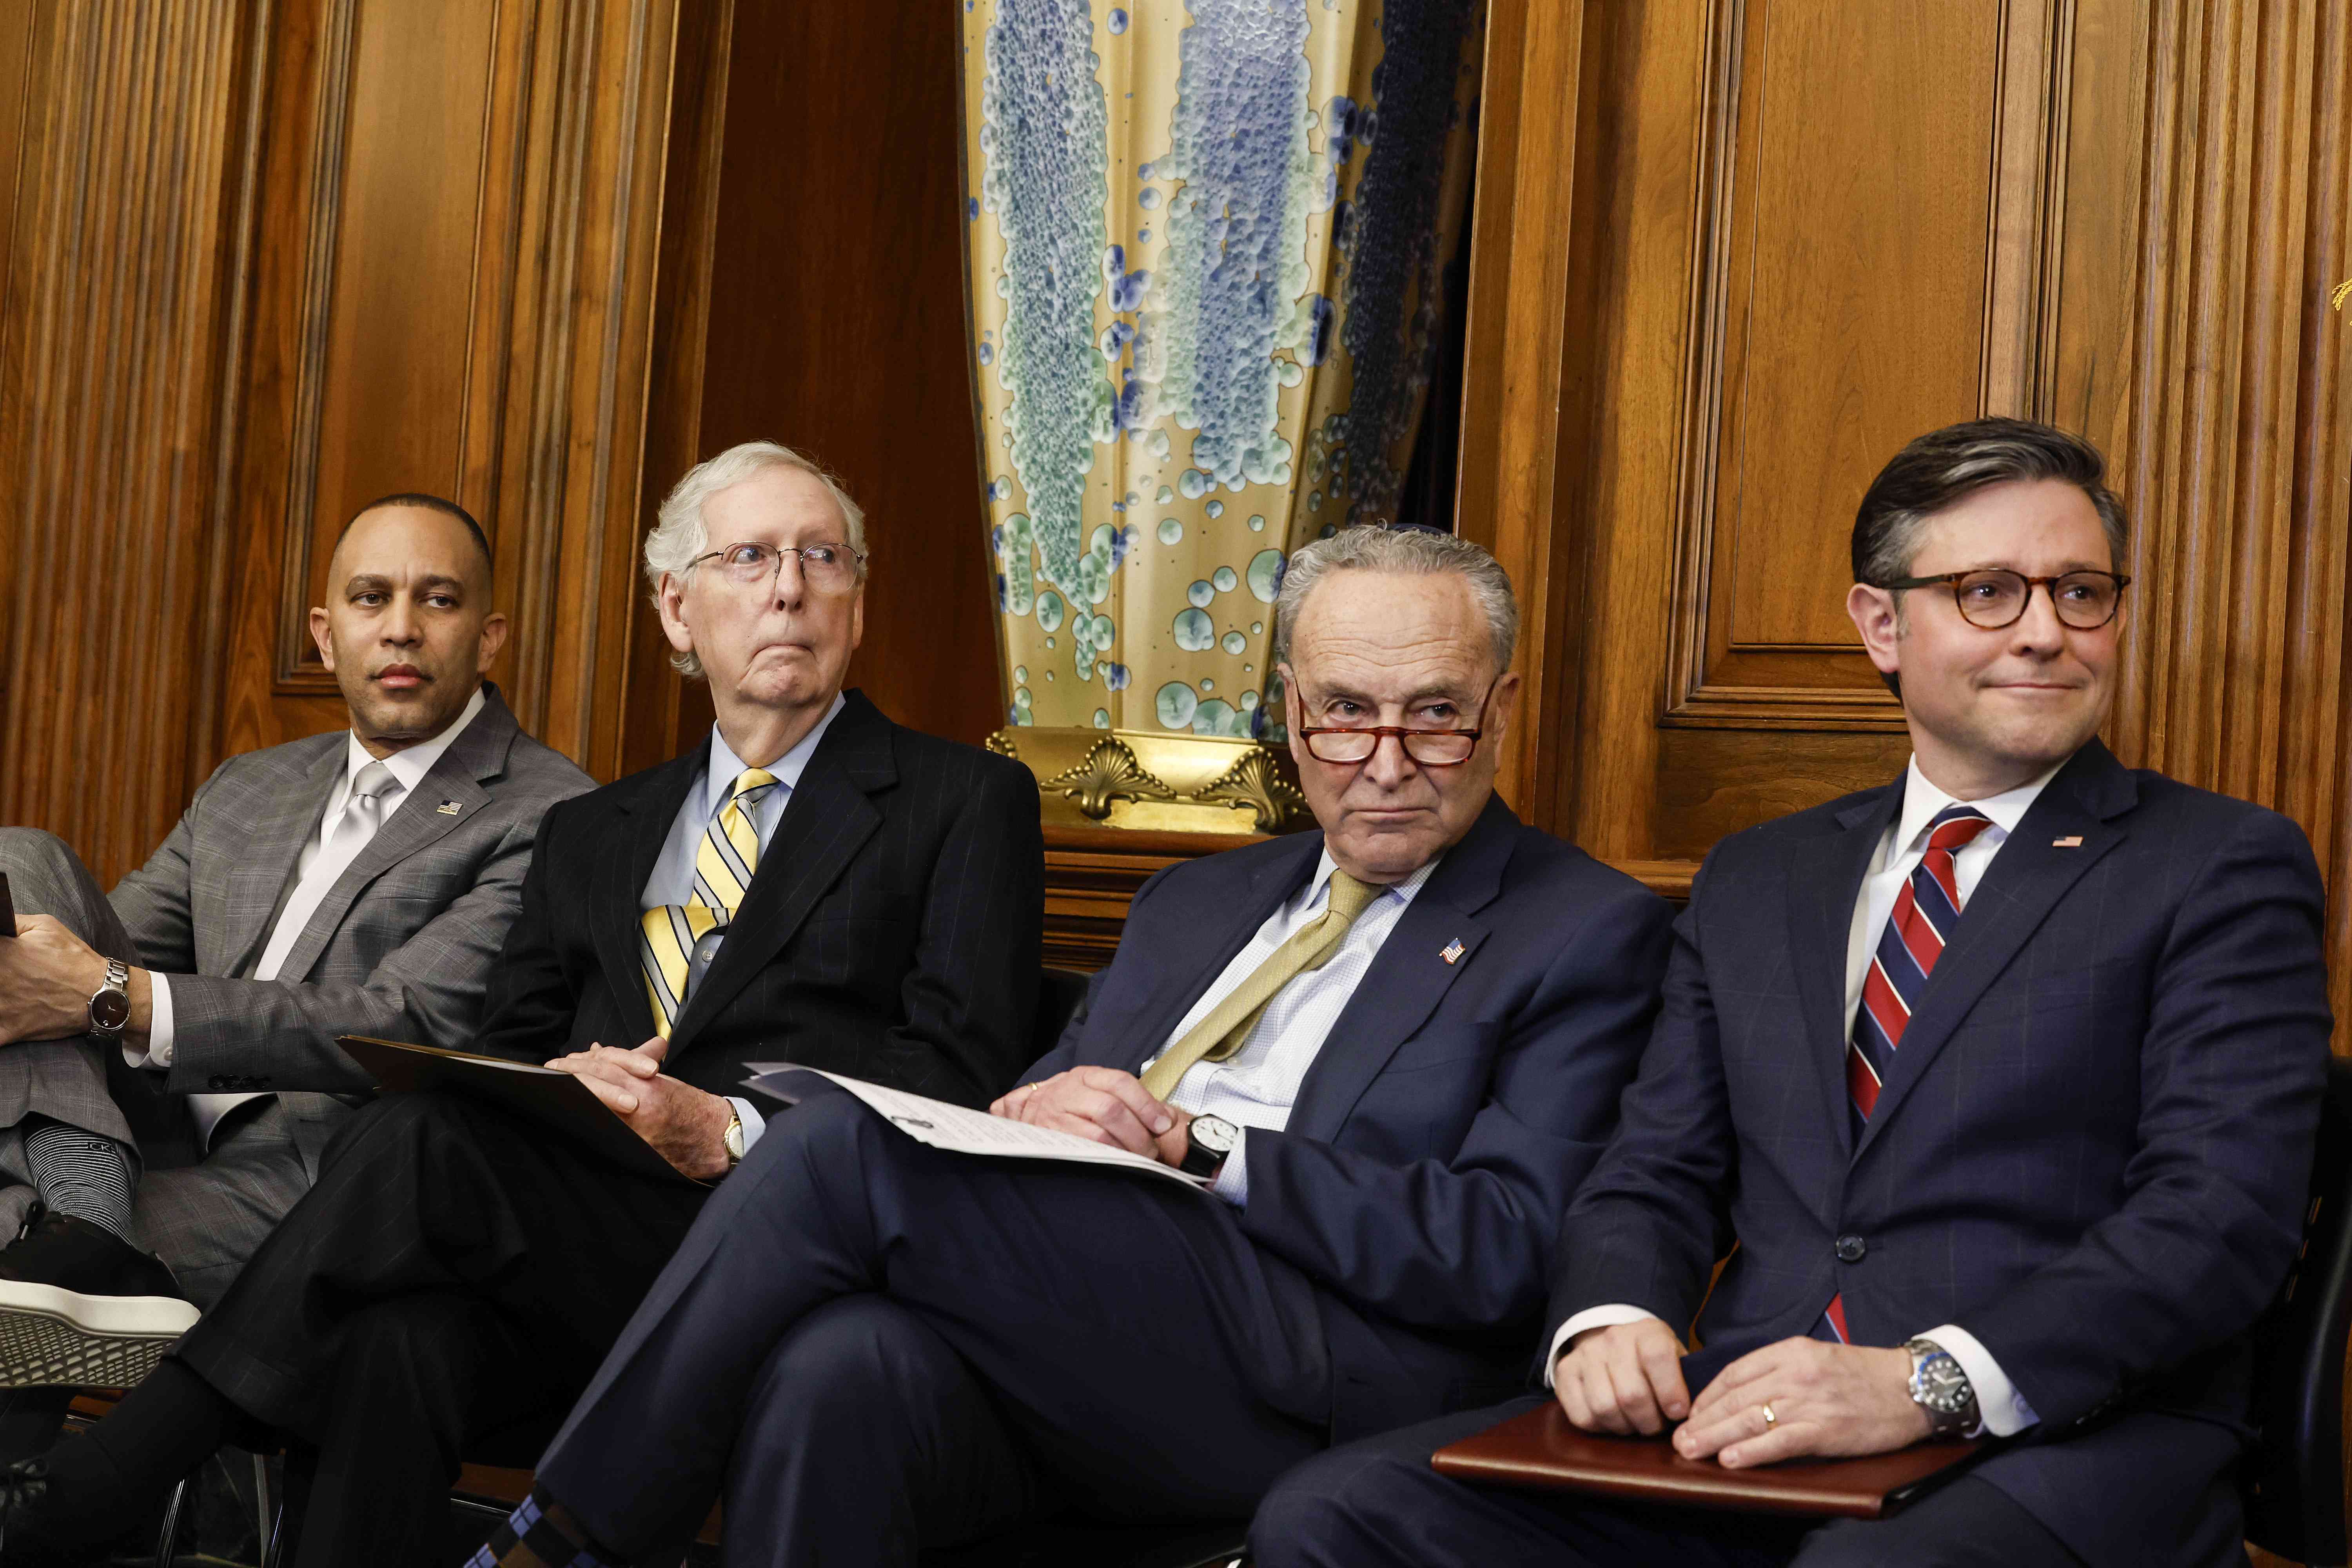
x: 672, y: 882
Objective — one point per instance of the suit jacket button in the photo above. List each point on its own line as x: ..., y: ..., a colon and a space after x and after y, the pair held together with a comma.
x: 1850, y: 1248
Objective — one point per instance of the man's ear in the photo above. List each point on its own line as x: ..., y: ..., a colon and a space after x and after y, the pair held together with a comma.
x: 1879, y: 618
x: 321, y: 634
x: 494, y: 637
x: 669, y: 601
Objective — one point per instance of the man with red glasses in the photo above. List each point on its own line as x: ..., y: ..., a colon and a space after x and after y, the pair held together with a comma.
x: 2002, y: 1076
x: 1394, y: 1047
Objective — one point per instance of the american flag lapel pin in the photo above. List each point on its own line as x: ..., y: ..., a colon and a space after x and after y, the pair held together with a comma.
x: 1453, y: 951
x: 2071, y: 841
x: 451, y: 808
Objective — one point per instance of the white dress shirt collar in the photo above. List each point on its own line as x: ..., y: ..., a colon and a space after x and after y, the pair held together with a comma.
x: 1319, y: 887
x: 725, y: 767
x: 1922, y: 801
x: 410, y: 764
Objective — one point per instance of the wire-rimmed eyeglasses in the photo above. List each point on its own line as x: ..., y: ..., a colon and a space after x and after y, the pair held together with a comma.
x: 827, y: 568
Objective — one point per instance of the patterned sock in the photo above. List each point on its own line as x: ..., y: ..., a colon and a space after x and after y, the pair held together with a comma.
x: 80, y: 1173
x: 541, y: 1533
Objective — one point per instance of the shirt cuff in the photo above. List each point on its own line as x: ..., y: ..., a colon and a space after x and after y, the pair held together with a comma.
x: 2001, y: 1410
x: 1605, y: 1317
x: 1232, y: 1182
x: 158, y: 1053
x: 753, y: 1123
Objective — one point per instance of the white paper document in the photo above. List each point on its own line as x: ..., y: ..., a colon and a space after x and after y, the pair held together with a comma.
x: 958, y: 1128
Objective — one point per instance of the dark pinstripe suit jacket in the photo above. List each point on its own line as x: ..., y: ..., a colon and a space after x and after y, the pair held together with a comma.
x: 891, y: 932
x: 2090, y: 1151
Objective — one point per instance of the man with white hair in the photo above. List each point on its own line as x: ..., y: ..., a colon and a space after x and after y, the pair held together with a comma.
x: 812, y: 883
x: 1393, y: 1048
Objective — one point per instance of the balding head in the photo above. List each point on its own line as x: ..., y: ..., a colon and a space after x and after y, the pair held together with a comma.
x: 408, y: 629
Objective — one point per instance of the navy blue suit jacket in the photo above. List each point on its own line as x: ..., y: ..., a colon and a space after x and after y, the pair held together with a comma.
x: 2090, y: 1153
x: 1454, y: 1108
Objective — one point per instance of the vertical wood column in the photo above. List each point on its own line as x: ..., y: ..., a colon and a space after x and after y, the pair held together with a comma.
x: 2234, y: 444
x: 124, y: 245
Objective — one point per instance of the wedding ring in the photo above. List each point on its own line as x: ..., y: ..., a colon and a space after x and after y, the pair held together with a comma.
x: 1771, y: 1420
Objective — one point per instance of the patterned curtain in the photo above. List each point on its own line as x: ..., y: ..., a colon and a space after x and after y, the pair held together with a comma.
x: 1206, y: 247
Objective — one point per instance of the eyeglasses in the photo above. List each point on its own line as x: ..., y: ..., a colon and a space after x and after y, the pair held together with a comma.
x: 825, y: 568
x: 1430, y: 748
x: 1995, y: 597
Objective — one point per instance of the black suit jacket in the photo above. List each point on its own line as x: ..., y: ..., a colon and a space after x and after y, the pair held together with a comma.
x: 891, y: 931
x: 1453, y: 1110
x: 2090, y: 1151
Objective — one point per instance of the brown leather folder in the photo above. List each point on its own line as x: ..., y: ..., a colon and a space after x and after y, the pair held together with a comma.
x: 554, y: 1100
x: 1541, y: 1449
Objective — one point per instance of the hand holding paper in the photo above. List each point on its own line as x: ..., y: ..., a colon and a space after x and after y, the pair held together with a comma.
x: 967, y: 1132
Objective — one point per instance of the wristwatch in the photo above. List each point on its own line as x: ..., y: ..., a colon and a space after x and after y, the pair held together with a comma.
x: 110, y: 1005
x: 1939, y: 1387
x: 1213, y: 1139
x: 734, y: 1138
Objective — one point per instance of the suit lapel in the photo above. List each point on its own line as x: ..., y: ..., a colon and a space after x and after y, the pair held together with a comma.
x: 1408, y: 977
x: 2032, y: 872
x: 642, y: 823
x: 1820, y: 929
x: 827, y: 820
x: 456, y: 777
x: 263, y: 870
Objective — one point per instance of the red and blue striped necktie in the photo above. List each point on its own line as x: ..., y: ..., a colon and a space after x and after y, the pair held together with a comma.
x: 1926, y: 913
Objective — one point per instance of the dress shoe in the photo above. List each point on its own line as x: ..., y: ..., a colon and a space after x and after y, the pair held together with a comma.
x: 25, y: 1541
x: 81, y: 1307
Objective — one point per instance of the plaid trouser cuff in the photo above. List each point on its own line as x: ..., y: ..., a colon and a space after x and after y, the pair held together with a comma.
x: 531, y: 1539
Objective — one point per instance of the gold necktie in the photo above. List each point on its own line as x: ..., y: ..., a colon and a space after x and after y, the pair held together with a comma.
x: 723, y: 865
x: 1229, y: 1023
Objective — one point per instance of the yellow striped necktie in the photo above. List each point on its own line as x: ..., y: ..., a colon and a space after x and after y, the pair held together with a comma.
x: 723, y: 866
x: 1229, y: 1023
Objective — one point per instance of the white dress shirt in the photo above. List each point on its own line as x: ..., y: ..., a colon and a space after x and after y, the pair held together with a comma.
x: 672, y: 882
x: 2003, y: 1409
x: 1258, y: 1084
x: 324, y: 859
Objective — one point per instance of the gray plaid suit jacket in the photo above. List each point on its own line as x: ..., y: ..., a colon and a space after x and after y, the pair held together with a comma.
x: 401, y: 947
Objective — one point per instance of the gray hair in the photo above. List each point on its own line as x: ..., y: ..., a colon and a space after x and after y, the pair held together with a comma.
x: 1406, y: 551
x: 680, y: 535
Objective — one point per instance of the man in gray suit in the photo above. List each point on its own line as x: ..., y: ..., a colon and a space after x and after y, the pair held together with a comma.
x: 358, y: 882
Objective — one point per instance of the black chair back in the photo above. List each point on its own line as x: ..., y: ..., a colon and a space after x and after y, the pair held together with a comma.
x: 1059, y: 992
x: 2294, y: 1476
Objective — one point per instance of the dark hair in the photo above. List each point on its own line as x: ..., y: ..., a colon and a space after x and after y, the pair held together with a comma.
x: 1946, y: 466
x: 430, y: 503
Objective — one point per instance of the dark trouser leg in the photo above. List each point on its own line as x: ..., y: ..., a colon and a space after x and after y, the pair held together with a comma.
x: 425, y: 1194
x: 415, y: 1374
x: 1970, y: 1523
x: 868, y: 1438
x: 1377, y: 1504
x: 1153, y: 1356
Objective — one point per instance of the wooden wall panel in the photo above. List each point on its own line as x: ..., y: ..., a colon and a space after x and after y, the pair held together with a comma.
x: 123, y: 244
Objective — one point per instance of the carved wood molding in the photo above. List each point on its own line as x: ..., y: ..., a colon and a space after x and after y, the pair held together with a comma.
x: 122, y: 271
x: 1715, y: 679
x: 2234, y: 440
x: 299, y: 671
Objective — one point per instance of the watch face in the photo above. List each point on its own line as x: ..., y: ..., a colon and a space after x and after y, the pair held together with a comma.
x: 1942, y: 1385
x: 1214, y: 1133
x: 110, y: 1010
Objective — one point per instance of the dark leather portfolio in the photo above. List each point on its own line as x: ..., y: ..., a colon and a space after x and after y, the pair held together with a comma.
x: 556, y: 1100
x: 1541, y: 1449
